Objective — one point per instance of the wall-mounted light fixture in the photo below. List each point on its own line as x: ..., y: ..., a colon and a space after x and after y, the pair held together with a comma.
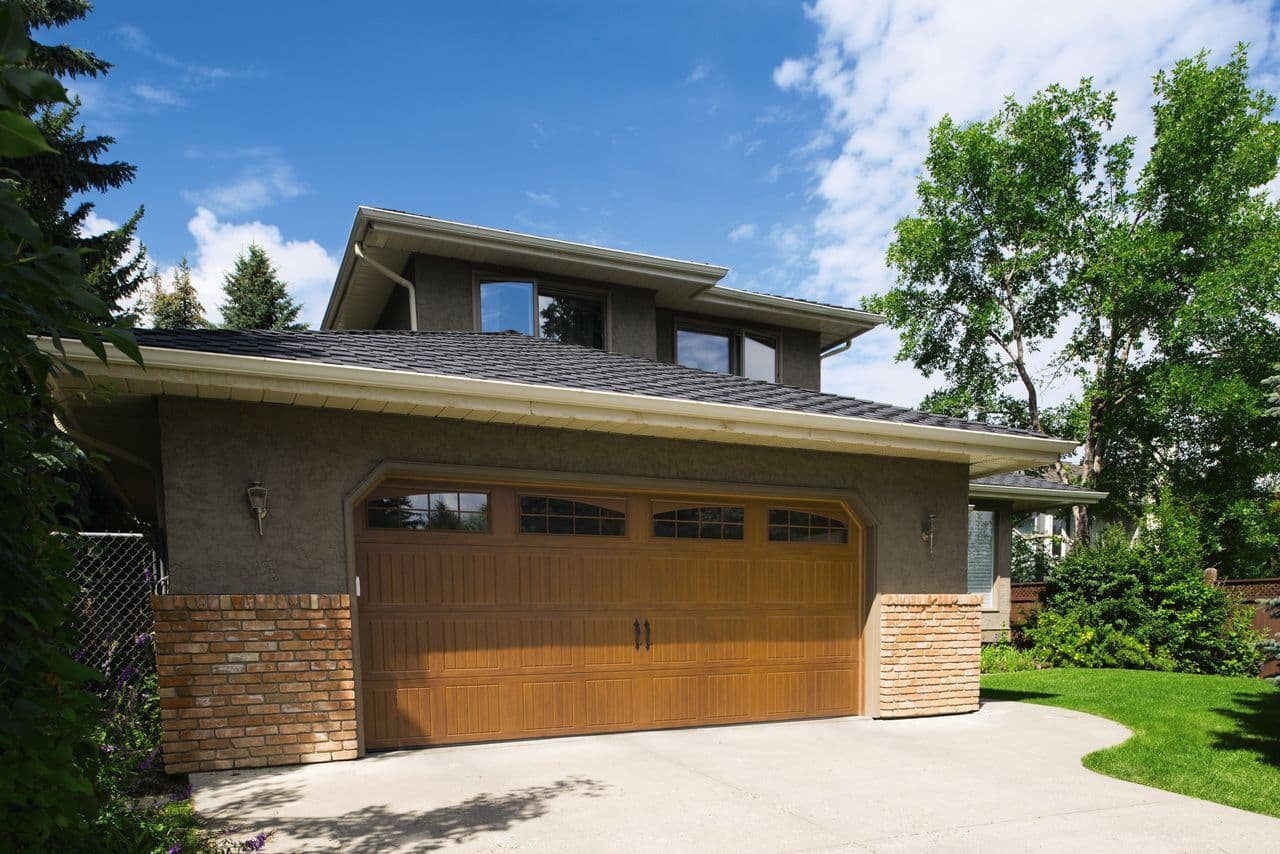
x: 258, y: 502
x: 927, y: 531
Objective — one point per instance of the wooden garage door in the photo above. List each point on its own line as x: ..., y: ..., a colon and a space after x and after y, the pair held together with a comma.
x: 498, y: 612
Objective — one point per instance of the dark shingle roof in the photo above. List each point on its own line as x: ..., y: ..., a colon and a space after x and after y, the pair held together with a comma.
x: 537, y: 361
x: 1026, y: 481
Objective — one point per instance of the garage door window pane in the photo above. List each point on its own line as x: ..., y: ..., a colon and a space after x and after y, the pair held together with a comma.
x: 708, y: 522
x: 430, y: 511
x: 801, y: 526
x: 540, y: 514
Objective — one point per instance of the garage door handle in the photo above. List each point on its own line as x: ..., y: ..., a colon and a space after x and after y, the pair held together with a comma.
x: 648, y: 635
x: 636, y: 626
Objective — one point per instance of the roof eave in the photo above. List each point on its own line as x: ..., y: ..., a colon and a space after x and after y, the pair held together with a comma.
x: 259, y: 379
x: 1024, y: 498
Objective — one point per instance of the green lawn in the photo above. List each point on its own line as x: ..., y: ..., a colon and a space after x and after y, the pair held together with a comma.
x: 1210, y: 737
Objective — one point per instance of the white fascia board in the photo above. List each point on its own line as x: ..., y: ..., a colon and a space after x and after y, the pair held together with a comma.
x: 586, y: 409
x: 1048, y: 496
x: 720, y: 295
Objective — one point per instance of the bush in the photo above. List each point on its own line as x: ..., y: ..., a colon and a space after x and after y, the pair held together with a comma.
x: 1144, y: 605
x: 1004, y: 657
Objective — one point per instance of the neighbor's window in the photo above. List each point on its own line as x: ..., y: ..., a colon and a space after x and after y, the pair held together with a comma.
x: 982, y: 554
x: 707, y: 522
x: 571, y: 318
x: 543, y: 514
x: 746, y: 354
x: 801, y: 526
x: 430, y: 511
x: 506, y: 307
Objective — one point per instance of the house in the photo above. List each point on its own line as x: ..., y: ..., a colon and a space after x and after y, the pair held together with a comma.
x: 521, y: 487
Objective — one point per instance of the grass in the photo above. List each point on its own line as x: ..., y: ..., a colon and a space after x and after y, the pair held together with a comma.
x: 1210, y: 737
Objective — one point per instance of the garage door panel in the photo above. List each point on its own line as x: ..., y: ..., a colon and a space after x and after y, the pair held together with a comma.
x: 474, y: 637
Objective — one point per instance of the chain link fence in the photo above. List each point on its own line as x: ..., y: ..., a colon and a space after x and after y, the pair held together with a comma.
x: 117, y: 573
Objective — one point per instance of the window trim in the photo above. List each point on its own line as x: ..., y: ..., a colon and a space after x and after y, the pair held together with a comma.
x: 542, y: 287
x: 383, y: 493
x: 654, y: 506
x: 602, y: 501
x: 737, y: 341
x: 824, y: 513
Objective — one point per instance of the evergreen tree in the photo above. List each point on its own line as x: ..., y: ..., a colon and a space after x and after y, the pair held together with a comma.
x: 177, y: 307
x: 256, y: 298
x: 49, y: 181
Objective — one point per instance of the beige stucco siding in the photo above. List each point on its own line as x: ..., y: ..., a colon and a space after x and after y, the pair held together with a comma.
x: 311, y: 458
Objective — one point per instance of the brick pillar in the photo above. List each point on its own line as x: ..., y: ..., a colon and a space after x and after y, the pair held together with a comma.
x: 929, y: 654
x: 249, y: 681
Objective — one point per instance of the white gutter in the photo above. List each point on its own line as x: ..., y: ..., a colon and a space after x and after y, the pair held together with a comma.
x: 400, y: 280
x: 836, y: 349
x: 992, y: 491
x: 271, y: 380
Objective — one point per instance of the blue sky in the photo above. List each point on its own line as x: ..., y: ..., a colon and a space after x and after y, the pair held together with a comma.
x: 777, y: 139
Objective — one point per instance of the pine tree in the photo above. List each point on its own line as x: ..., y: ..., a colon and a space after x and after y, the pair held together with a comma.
x: 177, y: 307
x: 256, y: 298
x: 50, y: 181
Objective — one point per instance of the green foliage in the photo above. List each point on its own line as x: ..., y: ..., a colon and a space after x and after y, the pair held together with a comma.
x: 177, y: 307
x: 73, y: 165
x: 1270, y: 647
x: 1144, y: 605
x: 256, y: 298
x: 1029, y: 562
x: 1158, y: 290
x: 1004, y: 657
x: 46, y: 715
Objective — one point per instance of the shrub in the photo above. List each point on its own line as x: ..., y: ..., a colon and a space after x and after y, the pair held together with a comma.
x: 1004, y: 657
x: 1144, y: 605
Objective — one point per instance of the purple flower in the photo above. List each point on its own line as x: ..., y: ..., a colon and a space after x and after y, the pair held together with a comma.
x: 108, y: 748
x: 176, y: 848
x: 145, y: 764
x: 125, y: 675
x: 142, y: 639
x: 146, y: 573
x: 257, y: 843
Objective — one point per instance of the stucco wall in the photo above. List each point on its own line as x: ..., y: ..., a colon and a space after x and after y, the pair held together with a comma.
x: 446, y: 301
x: 311, y: 458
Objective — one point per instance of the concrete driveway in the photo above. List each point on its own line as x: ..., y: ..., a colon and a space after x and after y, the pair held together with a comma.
x: 1007, y: 778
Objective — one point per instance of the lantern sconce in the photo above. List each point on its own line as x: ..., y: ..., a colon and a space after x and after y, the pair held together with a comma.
x: 927, y: 531
x: 258, y: 502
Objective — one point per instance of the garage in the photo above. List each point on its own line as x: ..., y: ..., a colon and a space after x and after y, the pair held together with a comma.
x: 500, y: 611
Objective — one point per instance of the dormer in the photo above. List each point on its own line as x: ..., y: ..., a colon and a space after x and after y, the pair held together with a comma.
x: 404, y: 271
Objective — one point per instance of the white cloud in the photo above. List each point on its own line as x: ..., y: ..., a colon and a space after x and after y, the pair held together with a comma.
x: 887, y: 71
x: 545, y: 200
x: 699, y: 73
x: 746, y: 231
x: 256, y: 188
x: 94, y: 225
x: 158, y: 96
x: 304, y: 265
x: 133, y: 37
x: 789, y: 239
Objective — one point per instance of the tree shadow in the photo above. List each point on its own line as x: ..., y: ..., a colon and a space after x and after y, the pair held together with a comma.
x: 989, y: 694
x: 378, y: 828
x: 1257, y: 718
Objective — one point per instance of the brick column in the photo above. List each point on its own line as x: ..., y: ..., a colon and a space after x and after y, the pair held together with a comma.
x: 929, y: 654
x: 249, y: 681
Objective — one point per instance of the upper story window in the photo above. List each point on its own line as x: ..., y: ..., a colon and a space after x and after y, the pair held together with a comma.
x: 728, y: 351
x: 533, y: 308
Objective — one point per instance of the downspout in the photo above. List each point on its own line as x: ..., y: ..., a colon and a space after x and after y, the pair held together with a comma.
x: 395, y: 277
x: 836, y: 349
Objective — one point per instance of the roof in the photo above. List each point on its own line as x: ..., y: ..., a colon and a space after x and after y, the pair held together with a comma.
x: 388, y: 238
x: 1028, y: 492
x: 514, y: 379
x: 512, y: 357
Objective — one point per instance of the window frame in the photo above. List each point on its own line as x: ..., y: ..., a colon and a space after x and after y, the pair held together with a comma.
x: 824, y: 513
x: 655, y: 506
x: 737, y: 336
x: 383, y: 493
x: 604, y: 501
x: 542, y: 287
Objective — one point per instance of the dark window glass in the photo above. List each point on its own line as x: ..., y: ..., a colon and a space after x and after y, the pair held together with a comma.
x: 544, y: 515
x: 506, y: 307
x: 759, y: 358
x: 708, y: 351
x: 711, y: 522
x: 430, y: 511
x: 572, y: 319
x: 799, y: 526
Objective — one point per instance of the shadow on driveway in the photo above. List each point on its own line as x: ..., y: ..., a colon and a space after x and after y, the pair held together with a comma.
x: 378, y: 828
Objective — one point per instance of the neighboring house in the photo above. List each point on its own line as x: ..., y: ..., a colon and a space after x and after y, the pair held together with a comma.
x: 522, y: 487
